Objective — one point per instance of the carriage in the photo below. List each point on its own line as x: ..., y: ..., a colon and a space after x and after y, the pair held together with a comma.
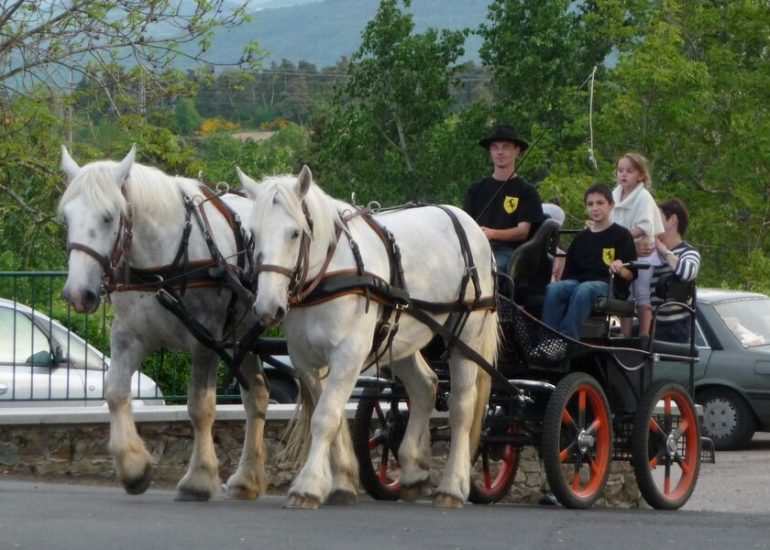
x: 596, y: 403
x: 354, y: 288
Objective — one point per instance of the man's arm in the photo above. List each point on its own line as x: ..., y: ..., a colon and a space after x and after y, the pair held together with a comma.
x: 512, y: 234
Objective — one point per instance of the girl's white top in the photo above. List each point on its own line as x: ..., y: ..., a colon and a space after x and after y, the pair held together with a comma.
x: 638, y: 209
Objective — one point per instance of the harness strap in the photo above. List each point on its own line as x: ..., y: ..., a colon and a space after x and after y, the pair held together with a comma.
x: 465, y: 349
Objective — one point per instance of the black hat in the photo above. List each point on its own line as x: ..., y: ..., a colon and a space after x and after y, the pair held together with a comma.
x: 503, y: 132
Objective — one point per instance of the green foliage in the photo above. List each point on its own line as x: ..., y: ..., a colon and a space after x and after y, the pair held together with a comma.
x: 186, y: 118
x: 373, y: 139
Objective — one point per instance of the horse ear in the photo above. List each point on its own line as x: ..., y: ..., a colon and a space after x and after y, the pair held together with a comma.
x: 304, y: 180
x: 68, y: 164
x: 249, y: 185
x: 123, y: 169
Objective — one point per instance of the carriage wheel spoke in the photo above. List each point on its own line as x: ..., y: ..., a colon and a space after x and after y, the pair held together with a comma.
x: 566, y: 452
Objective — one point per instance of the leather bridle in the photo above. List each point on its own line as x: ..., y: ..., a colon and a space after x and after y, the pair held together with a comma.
x: 121, y: 248
x: 298, y: 287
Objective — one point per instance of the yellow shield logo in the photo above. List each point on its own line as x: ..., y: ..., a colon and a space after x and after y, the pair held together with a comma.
x: 608, y: 255
x: 510, y: 204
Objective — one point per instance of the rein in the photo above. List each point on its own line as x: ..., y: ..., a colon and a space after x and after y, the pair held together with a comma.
x: 172, y: 280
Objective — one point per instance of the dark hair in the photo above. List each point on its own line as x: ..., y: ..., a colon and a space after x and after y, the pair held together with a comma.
x: 676, y: 206
x: 601, y: 189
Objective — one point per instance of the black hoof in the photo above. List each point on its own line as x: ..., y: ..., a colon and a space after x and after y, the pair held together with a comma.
x: 140, y: 485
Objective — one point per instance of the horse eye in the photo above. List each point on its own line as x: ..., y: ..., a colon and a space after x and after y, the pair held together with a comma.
x: 107, y: 219
x: 296, y: 234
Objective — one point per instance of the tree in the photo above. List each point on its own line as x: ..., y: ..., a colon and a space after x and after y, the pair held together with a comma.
x: 44, y: 43
x: 398, y: 91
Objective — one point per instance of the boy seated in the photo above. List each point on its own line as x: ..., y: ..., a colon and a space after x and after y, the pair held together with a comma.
x: 594, y: 253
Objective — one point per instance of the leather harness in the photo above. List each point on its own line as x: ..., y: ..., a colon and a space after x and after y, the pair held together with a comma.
x: 171, y: 281
x: 393, y: 294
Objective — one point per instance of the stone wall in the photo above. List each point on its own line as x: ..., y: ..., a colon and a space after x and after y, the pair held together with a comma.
x: 78, y: 451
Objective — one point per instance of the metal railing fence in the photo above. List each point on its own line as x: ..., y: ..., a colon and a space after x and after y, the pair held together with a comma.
x: 51, y: 355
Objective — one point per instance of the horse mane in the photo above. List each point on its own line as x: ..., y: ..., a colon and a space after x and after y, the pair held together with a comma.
x: 324, y: 210
x: 151, y: 191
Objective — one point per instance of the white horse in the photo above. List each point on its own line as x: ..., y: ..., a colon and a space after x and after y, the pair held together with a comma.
x: 123, y: 214
x: 303, y: 247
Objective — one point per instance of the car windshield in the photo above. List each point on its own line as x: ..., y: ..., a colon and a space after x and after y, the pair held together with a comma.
x: 76, y: 350
x: 748, y: 320
x: 21, y: 342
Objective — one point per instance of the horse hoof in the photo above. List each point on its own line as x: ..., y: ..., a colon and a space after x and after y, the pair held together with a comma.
x: 443, y: 500
x: 413, y: 491
x: 186, y: 495
x: 341, y: 497
x: 140, y: 485
x: 241, y: 492
x: 296, y: 501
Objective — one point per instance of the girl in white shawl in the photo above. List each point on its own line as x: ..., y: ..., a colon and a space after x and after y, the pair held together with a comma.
x: 636, y: 210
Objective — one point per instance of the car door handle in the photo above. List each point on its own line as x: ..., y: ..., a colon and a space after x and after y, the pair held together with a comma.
x: 3, y: 389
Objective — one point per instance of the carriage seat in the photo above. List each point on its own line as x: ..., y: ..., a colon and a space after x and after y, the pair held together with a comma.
x: 672, y: 290
x: 531, y: 264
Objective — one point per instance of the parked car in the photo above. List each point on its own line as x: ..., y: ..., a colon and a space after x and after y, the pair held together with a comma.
x: 42, y: 363
x: 732, y: 376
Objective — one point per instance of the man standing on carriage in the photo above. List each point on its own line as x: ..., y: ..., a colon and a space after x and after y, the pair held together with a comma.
x: 507, y: 208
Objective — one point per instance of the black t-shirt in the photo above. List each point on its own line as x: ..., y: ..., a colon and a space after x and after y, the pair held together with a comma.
x: 497, y: 208
x: 590, y: 254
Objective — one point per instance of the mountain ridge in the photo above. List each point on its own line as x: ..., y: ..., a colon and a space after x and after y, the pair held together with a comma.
x: 324, y: 31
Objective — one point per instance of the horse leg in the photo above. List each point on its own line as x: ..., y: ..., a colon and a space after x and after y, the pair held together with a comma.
x: 249, y: 480
x: 454, y: 487
x: 133, y: 463
x: 201, y: 481
x: 344, y: 468
x: 317, y: 477
x: 414, y: 452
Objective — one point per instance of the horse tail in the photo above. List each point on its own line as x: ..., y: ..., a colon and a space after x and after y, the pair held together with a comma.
x: 297, y: 432
x: 488, y: 350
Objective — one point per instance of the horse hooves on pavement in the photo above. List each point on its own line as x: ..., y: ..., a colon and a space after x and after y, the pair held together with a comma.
x: 413, y: 491
x: 341, y: 498
x: 241, y: 492
x: 444, y: 500
x: 141, y: 484
x: 302, y: 502
x: 186, y: 495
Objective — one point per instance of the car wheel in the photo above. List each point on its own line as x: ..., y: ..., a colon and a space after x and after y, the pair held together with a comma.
x: 727, y: 418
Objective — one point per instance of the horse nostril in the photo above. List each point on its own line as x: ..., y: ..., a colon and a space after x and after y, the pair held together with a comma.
x: 279, y: 314
x: 89, y: 297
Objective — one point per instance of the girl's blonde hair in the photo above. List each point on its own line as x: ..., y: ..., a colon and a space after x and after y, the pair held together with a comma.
x: 641, y: 163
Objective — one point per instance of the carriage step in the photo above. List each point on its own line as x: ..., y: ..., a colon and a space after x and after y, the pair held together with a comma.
x: 707, y: 452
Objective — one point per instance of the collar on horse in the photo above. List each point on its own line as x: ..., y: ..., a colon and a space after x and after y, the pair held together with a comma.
x: 121, y: 276
x: 393, y: 294
x: 173, y: 279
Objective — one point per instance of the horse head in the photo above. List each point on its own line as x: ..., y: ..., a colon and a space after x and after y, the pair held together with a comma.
x: 95, y: 210
x: 283, y: 235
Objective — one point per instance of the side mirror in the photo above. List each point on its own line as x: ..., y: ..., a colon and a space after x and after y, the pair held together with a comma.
x: 41, y: 359
x: 59, y: 356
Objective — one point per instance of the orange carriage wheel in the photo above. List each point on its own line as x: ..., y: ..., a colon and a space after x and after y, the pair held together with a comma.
x: 665, y: 445
x: 577, y: 440
x: 378, y: 430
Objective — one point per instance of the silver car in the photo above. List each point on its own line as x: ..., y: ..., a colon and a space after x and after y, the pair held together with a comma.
x: 42, y: 363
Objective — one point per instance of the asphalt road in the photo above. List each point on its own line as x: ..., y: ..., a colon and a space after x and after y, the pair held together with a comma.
x: 729, y: 509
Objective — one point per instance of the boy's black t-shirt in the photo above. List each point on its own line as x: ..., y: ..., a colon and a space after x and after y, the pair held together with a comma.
x: 497, y: 208
x: 591, y: 253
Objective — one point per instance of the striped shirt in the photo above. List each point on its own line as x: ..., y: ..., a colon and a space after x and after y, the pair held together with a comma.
x: 686, y: 270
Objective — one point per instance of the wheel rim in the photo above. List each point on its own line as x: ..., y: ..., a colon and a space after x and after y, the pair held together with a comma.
x: 585, y: 439
x: 720, y: 418
x: 381, y: 445
x: 673, y: 446
x: 492, y: 474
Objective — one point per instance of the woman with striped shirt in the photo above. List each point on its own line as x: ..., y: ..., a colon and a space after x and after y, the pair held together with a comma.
x: 680, y: 258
